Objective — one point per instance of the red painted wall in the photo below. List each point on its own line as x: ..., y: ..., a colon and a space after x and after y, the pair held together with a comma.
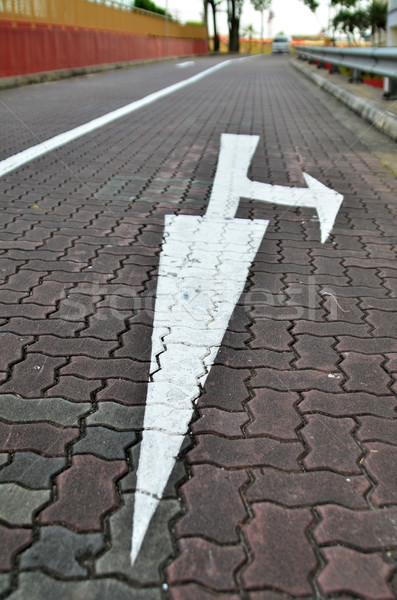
x: 25, y: 50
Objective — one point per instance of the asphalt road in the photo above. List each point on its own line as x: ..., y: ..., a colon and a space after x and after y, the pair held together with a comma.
x: 269, y: 468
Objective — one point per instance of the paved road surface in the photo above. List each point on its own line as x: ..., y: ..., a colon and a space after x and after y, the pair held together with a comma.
x: 286, y: 484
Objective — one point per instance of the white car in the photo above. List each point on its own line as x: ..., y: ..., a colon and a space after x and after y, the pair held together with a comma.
x: 281, y: 44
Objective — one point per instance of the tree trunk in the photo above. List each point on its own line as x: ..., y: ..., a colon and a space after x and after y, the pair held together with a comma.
x: 234, y: 26
x: 234, y: 37
x: 216, y: 36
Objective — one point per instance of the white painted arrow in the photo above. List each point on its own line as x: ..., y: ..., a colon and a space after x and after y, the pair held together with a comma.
x: 204, y: 264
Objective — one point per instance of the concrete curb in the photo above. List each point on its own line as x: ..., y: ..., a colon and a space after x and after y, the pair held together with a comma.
x: 382, y: 120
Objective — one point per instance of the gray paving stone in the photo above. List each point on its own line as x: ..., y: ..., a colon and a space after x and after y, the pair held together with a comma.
x: 117, y: 416
x: 37, y: 586
x: 105, y: 442
x: 59, y: 549
x: 18, y: 504
x: 3, y: 458
x: 31, y: 470
x: 55, y: 410
x: 156, y: 547
x: 4, y: 582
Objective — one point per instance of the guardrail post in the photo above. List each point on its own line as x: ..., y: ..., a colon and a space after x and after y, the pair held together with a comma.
x: 390, y: 88
x: 356, y: 76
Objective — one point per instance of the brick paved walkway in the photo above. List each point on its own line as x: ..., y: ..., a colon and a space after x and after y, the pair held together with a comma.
x: 286, y: 486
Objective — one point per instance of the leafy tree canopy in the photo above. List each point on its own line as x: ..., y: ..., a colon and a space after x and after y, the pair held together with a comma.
x: 148, y: 5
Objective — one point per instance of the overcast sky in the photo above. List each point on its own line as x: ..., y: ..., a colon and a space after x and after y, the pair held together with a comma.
x: 291, y: 16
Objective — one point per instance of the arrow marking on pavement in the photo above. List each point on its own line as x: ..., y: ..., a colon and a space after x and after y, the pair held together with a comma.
x: 203, y: 268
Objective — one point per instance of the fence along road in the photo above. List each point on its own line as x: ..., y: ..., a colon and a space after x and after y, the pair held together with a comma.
x: 292, y: 436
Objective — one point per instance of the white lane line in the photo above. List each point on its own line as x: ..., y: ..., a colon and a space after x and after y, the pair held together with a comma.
x: 203, y: 267
x: 17, y: 160
x: 188, y: 63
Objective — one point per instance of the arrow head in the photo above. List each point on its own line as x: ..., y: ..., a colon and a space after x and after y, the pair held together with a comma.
x: 328, y: 203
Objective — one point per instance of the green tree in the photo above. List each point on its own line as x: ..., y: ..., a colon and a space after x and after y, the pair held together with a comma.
x: 261, y: 6
x: 378, y: 18
x: 351, y: 22
x: 150, y: 6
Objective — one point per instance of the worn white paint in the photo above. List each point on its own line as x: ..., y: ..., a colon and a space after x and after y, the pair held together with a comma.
x: 184, y: 65
x: 17, y: 160
x: 234, y: 160
x: 204, y: 264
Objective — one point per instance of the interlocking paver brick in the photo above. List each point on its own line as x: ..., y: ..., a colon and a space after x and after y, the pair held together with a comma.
x: 343, y: 309
x: 37, y: 586
x: 203, y: 562
x: 243, y: 453
x: 106, y: 323
x: 24, y: 326
x: 365, y: 373
x: 32, y: 375
x: 55, y: 410
x: 309, y: 488
x: 283, y: 557
x: 273, y: 414
x: 56, y: 346
x: 376, y: 429
x: 213, y: 420
x: 302, y: 380
x: 156, y: 548
x: 369, y: 530
x: 384, y: 304
x: 31, y: 470
x: 363, y: 276
x: 85, y: 493
x: 239, y: 341
x: 381, y: 464
x: 91, y: 368
x: 330, y: 444
x: 75, y: 389
x: 117, y: 416
x: 105, y: 442
x: 12, y: 541
x: 372, y: 345
x: 211, y: 486
x: 248, y: 358
x: 271, y: 334
x: 331, y: 328
x: 136, y: 343
x: 383, y: 322
x: 75, y: 307
x: 48, y: 293
x: 44, y: 438
x: 316, y: 352
x: 328, y: 266
x: 125, y: 392
x: 348, y: 571
x: 348, y: 404
x: 18, y: 505
x: 61, y: 550
x: 234, y: 392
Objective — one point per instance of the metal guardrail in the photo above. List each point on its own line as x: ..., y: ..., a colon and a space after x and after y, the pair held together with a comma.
x: 377, y: 61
